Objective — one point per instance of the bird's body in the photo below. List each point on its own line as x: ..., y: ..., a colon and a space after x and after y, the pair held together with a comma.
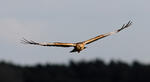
x: 79, y: 46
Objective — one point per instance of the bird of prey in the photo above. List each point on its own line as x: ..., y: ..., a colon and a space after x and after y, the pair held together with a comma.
x: 79, y: 46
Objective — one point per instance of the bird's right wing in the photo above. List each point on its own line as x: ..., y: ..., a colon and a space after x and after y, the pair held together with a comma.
x: 107, y: 34
x: 57, y: 44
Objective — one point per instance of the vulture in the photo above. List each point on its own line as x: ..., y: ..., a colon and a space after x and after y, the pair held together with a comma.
x: 79, y: 46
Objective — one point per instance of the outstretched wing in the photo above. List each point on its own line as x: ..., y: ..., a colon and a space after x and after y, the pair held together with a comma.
x: 107, y: 34
x: 57, y: 44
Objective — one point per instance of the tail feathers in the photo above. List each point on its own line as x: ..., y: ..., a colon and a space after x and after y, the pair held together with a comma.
x: 74, y: 50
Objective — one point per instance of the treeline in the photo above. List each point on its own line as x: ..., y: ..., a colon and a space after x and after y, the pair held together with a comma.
x: 93, y: 71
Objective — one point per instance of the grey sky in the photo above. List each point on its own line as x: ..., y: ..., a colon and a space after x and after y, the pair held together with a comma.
x: 73, y: 21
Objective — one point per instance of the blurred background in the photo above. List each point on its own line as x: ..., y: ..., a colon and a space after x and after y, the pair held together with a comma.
x: 73, y: 21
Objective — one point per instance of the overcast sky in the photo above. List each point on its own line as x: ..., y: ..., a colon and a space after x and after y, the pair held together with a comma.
x: 74, y: 21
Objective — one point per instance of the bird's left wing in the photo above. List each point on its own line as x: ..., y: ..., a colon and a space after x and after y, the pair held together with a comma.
x: 107, y: 34
x: 56, y: 44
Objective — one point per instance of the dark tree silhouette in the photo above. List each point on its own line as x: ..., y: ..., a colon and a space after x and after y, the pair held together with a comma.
x: 92, y: 71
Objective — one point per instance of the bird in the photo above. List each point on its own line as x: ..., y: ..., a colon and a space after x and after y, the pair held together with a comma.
x: 79, y: 46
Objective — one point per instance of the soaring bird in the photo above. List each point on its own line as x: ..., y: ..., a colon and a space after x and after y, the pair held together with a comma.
x: 79, y: 46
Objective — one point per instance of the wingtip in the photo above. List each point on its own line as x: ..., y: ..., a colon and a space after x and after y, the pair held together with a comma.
x: 129, y: 23
x: 125, y: 26
x: 25, y: 41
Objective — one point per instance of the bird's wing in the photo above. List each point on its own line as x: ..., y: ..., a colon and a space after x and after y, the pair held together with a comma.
x: 57, y: 44
x: 107, y: 34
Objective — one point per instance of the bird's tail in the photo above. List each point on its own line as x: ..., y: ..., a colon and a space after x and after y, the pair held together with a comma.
x: 74, y: 50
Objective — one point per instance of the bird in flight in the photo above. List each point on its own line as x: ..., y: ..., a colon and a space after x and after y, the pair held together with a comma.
x: 79, y: 46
